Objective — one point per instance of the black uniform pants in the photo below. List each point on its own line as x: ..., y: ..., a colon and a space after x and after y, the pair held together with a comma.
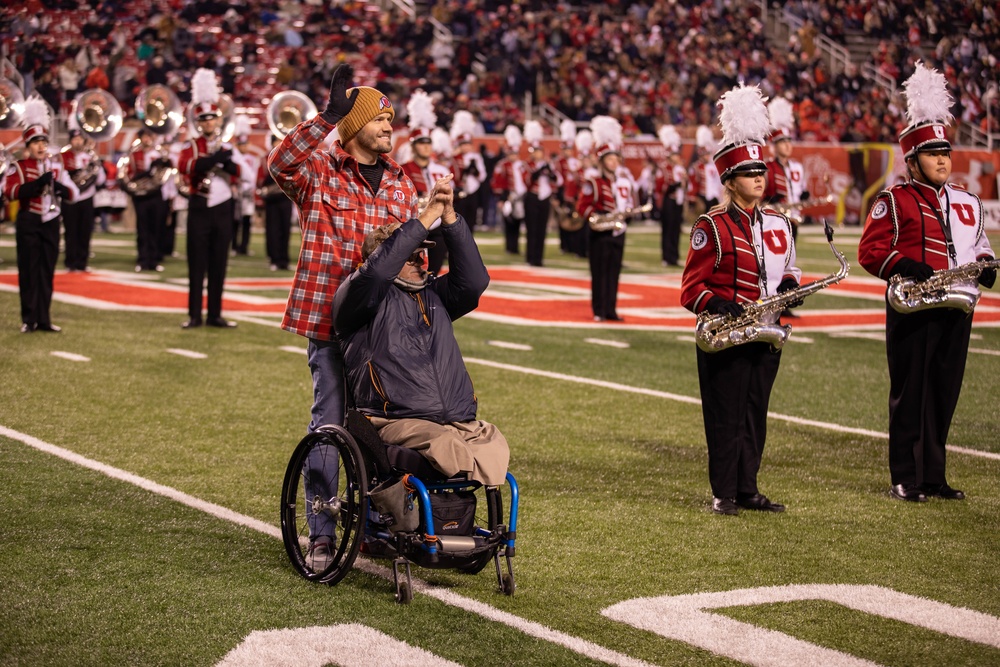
x: 511, y: 234
x: 735, y: 391
x: 671, y: 215
x: 606, y: 252
x: 241, y: 234
x: 278, y: 229
x: 468, y: 207
x: 37, y: 254
x: 210, y: 231
x: 78, y: 221
x: 149, y: 220
x: 536, y: 221
x: 926, y: 352
x: 437, y: 255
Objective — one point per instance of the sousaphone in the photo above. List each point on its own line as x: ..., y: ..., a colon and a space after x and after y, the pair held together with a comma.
x: 288, y: 109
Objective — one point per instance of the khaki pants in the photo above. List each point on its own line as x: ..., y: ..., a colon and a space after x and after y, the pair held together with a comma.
x: 477, y: 448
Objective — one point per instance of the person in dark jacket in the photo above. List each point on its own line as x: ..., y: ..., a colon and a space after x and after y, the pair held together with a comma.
x: 404, y: 367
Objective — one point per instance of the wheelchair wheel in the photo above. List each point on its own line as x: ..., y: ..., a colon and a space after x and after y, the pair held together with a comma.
x: 325, y: 493
x: 488, y: 517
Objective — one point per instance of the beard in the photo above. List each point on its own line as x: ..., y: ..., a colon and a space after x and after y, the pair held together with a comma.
x: 374, y: 143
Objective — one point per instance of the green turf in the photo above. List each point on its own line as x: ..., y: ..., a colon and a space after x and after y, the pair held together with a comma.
x: 95, y: 571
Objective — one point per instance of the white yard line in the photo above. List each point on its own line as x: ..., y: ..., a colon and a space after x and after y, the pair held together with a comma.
x: 530, y: 628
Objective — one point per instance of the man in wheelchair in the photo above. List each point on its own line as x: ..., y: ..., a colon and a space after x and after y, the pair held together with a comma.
x: 403, y: 363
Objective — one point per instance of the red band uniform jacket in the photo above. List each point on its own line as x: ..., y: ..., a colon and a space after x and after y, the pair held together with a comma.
x: 906, y: 221
x: 46, y: 206
x: 739, y: 256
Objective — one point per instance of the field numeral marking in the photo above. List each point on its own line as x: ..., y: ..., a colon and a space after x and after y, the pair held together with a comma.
x: 684, y: 618
x: 350, y: 645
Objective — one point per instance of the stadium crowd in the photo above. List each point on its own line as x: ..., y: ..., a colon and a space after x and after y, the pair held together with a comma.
x: 646, y: 63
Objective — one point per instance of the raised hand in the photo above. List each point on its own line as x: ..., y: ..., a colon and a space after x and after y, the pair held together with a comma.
x: 339, y: 104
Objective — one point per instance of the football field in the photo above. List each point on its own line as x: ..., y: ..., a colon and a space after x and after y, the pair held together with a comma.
x: 141, y: 467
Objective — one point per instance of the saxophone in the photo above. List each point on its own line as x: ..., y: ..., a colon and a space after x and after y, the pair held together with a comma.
x: 906, y: 295
x: 719, y: 332
x: 615, y: 220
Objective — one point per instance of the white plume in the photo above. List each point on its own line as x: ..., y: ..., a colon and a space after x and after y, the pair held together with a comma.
x: 533, y: 132
x: 584, y: 141
x: 204, y: 86
x: 781, y: 113
x: 404, y: 152
x: 463, y: 123
x: 513, y: 137
x: 441, y: 142
x: 704, y: 137
x: 607, y: 131
x: 669, y: 137
x: 36, y: 112
x: 744, y: 116
x: 567, y: 131
x: 420, y: 111
x: 242, y: 125
x: 927, y: 96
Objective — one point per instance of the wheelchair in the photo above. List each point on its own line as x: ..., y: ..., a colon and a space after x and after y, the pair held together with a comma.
x: 362, y: 462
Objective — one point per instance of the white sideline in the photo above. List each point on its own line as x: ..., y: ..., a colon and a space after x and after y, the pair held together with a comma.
x: 530, y: 628
x: 680, y: 398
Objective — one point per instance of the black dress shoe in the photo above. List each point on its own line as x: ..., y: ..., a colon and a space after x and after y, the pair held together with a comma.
x: 51, y: 328
x: 725, y: 506
x: 943, y: 491
x: 191, y: 324
x: 28, y: 328
x: 220, y: 322
x: 908, y: 492
x: 759, y: 502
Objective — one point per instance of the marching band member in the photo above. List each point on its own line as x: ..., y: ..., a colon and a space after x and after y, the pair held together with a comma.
x: 704, y: 184
x: 914, y: 229
x: 786, y: 177
x: 277, y: 218
x: 541, y: 180
x: 567, y: 167
x: 608, y: 191
x: 739, y: 253
x: 469, y: 168
x: 508, y: 184
x: 40, y: 183
x: 78, y: 215
x: 211, y: 168
x: 247, y: 188
x: 423, y: 169
x: 150, y: 208
x: 672, y: 190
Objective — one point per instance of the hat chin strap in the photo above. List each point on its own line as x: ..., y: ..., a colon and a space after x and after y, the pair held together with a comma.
x: 411, y: 285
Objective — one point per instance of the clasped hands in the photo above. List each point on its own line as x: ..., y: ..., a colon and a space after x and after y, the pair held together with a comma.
x: 440, y: 203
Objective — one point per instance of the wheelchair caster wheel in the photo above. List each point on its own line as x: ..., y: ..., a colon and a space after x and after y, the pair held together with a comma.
x: 507, y: 584
x: 405, y: 594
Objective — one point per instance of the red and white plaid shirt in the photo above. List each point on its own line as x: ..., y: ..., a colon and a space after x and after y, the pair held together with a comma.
x: 337, y: 210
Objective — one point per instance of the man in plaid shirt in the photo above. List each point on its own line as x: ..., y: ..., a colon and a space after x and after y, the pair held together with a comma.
x: 342, y: 195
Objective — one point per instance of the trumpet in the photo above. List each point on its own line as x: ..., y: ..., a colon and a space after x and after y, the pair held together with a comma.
x: 50, y: 189
x: 906, y: 295
x: 615, y: 220
x: 719, y: 332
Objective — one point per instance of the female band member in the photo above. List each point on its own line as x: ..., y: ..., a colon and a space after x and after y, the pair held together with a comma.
x: 739, y: 253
